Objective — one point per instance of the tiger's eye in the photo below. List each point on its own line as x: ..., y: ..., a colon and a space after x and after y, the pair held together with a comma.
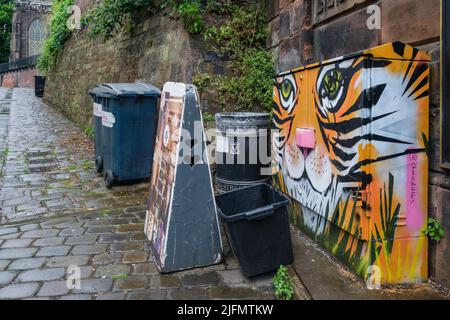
x: 332, y: 83
x: 286, y: 88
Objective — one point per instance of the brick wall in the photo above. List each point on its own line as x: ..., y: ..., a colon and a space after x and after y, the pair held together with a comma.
x: 26, y: 78
x: 9, y: 80
x: 301, y: 35
x: 23, y: 79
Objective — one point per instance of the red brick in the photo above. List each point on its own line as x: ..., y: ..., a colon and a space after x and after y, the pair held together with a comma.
x: 410, y: 21
x: 9, y: 80
x: 300, y: 15
x: 285, y: 3
x: 344, y: 36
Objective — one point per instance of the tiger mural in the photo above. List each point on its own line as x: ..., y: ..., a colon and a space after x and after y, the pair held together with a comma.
x: 362, y: 190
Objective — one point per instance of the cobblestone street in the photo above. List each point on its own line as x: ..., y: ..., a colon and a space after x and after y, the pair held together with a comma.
x: 48, y: 167
x: 57, y: 213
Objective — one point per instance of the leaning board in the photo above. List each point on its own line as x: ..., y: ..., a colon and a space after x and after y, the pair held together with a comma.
x: 181, y: 221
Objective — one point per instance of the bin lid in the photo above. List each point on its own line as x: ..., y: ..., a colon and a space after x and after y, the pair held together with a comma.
x: 242, y: 121
x: 125, y: 90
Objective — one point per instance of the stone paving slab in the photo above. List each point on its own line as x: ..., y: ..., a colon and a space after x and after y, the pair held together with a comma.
x: 112, y: 267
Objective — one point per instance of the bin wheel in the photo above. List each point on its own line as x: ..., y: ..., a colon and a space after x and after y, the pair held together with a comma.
x: 109, y: 179
x: 99, y: 164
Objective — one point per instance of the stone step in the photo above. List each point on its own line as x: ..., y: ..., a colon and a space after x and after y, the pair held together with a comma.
x: 42, y: 168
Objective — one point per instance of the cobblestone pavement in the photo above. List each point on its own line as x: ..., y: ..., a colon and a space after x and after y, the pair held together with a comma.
x: 48, y: 167
x: 56, y: 214
x: 113, y: 256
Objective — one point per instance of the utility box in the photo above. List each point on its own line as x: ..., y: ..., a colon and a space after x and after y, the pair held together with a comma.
x: 125, y: 116
x: 352, y: 152
x: 182, y: 222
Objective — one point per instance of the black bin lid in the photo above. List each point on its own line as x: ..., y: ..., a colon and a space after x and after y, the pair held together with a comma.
x: 111, y: 90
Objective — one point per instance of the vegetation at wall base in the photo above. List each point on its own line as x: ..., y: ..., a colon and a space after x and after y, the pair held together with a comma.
x: 59, y: 33
x: 6, y: 13
x: 284, y: 289
x: 250, y: 87
x: 434, y: 230
x: 89, y: 132
x: 208, y: 117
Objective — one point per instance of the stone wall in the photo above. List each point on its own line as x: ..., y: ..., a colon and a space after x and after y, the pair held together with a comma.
x: 305, y: 31
x: 157, y: 50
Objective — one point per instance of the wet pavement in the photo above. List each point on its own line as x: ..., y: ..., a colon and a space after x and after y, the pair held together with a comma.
x: 324, y: 278
x: 37, y: 259
x: 48, y: 167
x: 59, y: 220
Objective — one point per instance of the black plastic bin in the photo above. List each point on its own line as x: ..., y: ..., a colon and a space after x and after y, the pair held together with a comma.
x: 39, y: 86
x: 257, y: 226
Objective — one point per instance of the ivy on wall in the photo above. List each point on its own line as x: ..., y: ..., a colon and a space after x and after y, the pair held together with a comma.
x: 234, y: 30
x: 59, y: 33
x: 113, y: 15
x: 6, y: 13
x: 190, y: 12
x: 241, y: 37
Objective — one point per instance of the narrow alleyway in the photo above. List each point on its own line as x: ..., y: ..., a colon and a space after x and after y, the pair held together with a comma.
x: 56, y: 213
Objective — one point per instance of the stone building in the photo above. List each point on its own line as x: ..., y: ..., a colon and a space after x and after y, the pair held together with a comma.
x: 29, y: 27
x: 29, y: 30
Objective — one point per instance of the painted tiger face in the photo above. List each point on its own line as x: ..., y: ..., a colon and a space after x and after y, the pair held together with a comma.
x: 349, y: 106
x: 366, y: 178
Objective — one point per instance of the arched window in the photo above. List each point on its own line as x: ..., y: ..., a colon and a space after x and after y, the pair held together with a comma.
x: 36, y: 37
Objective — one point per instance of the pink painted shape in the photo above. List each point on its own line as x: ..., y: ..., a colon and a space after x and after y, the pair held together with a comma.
x: 414, y: 216
x: 306, y: 138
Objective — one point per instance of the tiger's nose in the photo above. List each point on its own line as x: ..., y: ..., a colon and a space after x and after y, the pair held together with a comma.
x: 305, y: 138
